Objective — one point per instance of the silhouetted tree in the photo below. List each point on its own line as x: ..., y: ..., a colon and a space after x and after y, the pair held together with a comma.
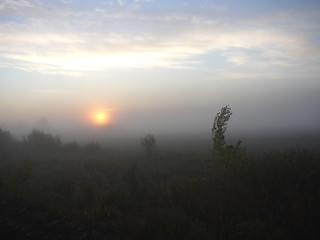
x: 219, y: 128
x: 220, y: 148
x: 6, y: 142
x: 43, y: 141
x: 149, y: 144
x: 92, y: 147
x: 71, y: 147
x: 5, y: 137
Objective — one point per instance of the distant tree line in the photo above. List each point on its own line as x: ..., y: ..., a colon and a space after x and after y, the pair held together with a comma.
x: 39, y: 141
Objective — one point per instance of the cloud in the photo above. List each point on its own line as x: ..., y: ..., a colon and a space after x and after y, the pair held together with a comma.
x: 121, y: 3
x: 72, y: 43
x: 15, y: 4
x: 66, y: 1
x: 46, y: 91
x: 139, y: 1
x: 20, y: 7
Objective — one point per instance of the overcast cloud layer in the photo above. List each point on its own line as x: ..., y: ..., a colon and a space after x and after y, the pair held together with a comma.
x: 59, y: 38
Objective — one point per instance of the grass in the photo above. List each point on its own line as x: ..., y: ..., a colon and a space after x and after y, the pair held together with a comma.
x: 169, y: 196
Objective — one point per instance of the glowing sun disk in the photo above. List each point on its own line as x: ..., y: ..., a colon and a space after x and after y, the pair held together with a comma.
x: 101, y: 118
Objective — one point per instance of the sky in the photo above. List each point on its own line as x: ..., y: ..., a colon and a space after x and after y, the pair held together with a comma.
x: 159, y: 66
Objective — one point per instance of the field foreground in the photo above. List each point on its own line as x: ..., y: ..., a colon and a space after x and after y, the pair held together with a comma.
x: 68, y: 191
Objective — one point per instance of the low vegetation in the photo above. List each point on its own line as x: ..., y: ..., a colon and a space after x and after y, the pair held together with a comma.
x: 149, y: 144
x: 271, y: 196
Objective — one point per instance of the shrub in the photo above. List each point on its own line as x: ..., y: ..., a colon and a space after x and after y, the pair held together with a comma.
x: 43, y: 141
x: 6, y: 142
x: 93, y: 147
x: 220, y: 148
x: 149, y: 144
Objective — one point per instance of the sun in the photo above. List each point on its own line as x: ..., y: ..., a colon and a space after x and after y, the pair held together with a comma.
x: 100, y: 118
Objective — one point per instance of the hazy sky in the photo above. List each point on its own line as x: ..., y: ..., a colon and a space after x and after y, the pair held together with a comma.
x: 159, y: 65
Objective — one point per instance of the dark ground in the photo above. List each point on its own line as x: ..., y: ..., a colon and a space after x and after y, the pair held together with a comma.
x: 19, y: 220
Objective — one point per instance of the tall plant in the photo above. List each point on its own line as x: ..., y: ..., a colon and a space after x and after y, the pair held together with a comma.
x: 149, y: 144
x: 220, y: 148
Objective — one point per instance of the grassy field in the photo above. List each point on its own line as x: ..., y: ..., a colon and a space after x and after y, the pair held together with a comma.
x: 171, y: 195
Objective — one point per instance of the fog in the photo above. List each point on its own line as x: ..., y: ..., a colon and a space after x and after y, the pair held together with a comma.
x: 186, y: 129
x: 160, y: 68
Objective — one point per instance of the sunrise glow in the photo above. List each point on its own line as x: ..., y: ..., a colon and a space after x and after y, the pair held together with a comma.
x: 100, y: 118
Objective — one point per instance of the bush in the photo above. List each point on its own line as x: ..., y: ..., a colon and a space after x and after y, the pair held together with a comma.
x: 228, y: 153
x: 43, y: 141
x: 92, y: 148
x: 6, y: 143
x: 149, y: 144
